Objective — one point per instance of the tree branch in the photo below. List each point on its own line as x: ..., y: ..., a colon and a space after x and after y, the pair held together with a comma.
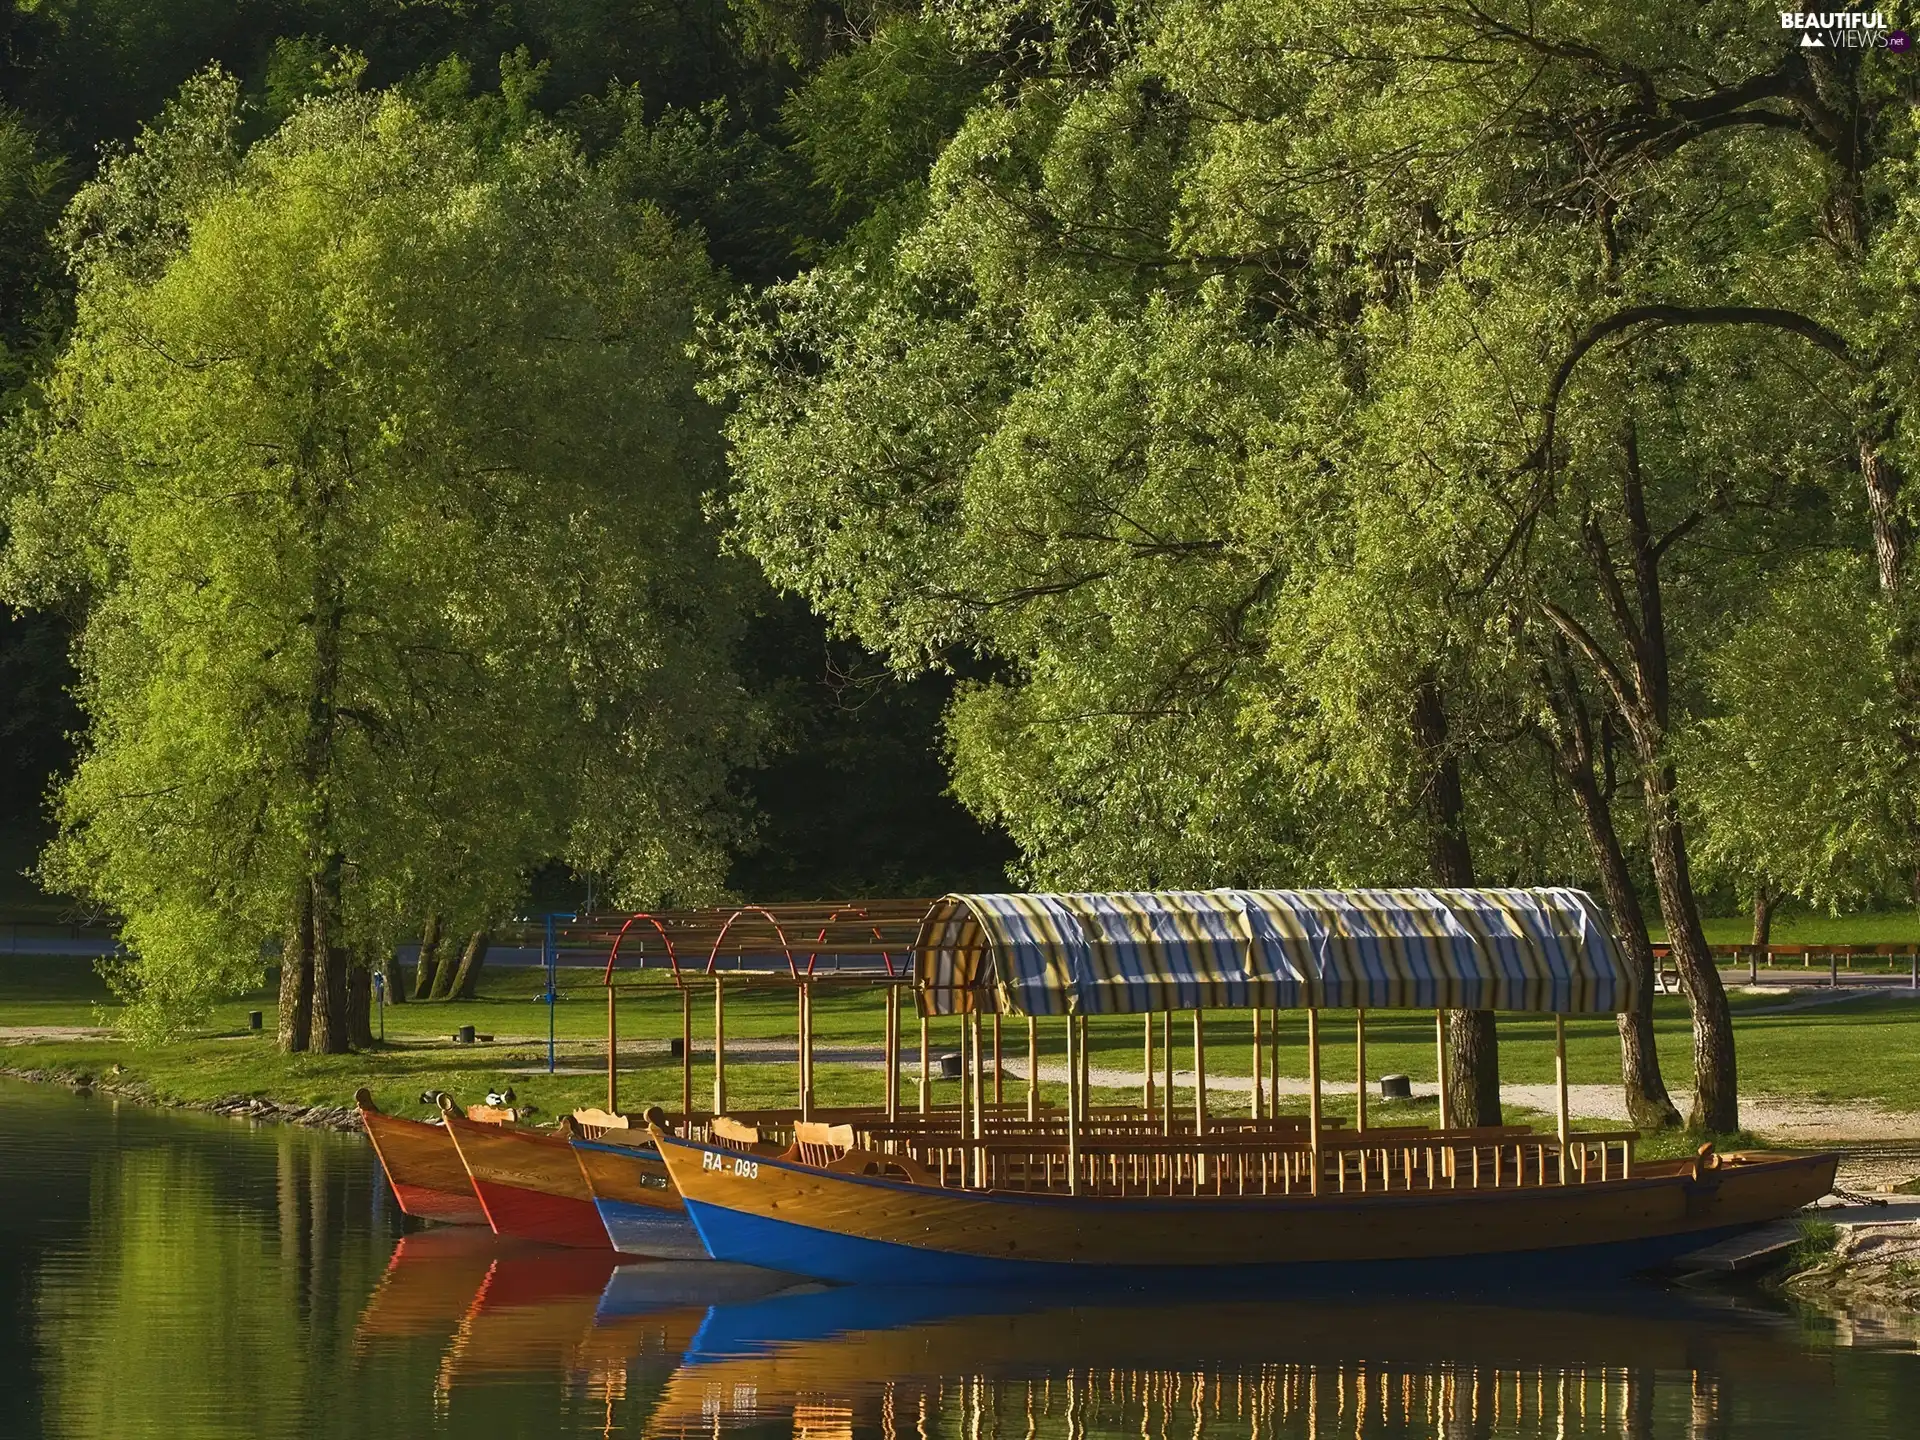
x: 1664, y: 317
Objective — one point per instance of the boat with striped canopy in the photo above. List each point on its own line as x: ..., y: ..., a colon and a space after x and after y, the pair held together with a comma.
x: 993, y: 1193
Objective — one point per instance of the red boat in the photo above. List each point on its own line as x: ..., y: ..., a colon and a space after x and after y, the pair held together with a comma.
x: 529, y: 1183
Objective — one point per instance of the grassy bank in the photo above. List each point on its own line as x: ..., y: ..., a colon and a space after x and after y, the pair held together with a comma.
x: 1858, y: 1050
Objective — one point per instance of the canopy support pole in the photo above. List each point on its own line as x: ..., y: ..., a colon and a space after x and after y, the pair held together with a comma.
x: 893, y: 1052
x: 1440, y: 1052
x: 1086, y: 1070
x: 1273, y: 1060
x: 999, y: 1084
x: 805, y: 1037
x: 1033, y: 1068
x: 1166, y: 1047
x: 1259, y: 1069
x: 613, y: 1057
x: 925, y: 1077
x: 1199, y: 1091
x: 1146, y: 1066
x: 686, y: 1055
x: 1073, y: 1109
x: 965, y: 1132
x: 1560, y: 1087
x: 1313, y: 1097
x: 1360, y: 1069
x: 1199, y: 1072
x: 719, y: 1046
x: 979, y: 1105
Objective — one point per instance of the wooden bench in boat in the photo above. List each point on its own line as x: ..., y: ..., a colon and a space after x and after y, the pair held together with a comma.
x: 1403, y: 1159
x: 831, y: 1147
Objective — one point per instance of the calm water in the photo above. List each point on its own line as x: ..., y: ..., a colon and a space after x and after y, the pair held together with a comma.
x: 166, y: 1275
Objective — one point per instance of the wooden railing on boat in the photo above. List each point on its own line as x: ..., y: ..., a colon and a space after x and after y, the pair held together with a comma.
x: 1276, y: 1159
x: 1121, y: 1152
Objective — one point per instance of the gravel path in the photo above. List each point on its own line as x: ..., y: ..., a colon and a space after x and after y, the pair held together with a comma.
x: 27, y: 1034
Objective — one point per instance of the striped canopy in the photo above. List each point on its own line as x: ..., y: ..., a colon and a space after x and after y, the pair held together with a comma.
x: 1536, y: 950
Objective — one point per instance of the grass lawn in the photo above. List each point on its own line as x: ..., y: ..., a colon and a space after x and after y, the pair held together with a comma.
x: 1866, y: 1049
x: 1805, y: 927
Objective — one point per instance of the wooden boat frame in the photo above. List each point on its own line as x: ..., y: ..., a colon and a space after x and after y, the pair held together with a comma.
x: 848, y: 1178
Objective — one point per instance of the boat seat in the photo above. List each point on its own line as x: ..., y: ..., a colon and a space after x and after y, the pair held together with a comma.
x: 818, y: 1144
x: 831, y: 1147
x: 732, y: 1134
x: 592, y: 1123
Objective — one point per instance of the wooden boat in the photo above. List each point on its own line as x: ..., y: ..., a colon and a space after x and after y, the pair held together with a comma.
x: 993, y: 1197
x: 638, y: 1206
x: 422, y: 1164
x: 862, y: 1216
x: 528, y: 1183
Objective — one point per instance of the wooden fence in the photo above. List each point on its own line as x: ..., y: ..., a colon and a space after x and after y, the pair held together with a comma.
x: 1834, y: 958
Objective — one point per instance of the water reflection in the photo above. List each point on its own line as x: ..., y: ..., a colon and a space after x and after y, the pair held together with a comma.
x: 184, y: 1277
x: 815, y: 1362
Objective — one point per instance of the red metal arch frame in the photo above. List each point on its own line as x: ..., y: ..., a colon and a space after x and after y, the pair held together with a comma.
x: 613, y: 955
x: 786, y: 946
x: 675, y: 929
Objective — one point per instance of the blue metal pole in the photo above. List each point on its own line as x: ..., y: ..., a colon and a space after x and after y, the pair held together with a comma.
x: 551, y: 959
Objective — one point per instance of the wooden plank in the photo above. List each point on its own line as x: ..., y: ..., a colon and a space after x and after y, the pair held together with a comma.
x: 1742, y: 1252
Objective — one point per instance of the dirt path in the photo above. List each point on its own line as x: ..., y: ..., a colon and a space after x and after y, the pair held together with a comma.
x: 27, y: 1034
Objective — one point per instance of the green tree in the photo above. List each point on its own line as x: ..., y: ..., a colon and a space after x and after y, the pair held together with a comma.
x: 1038, y: 427
x: 1797, y: 770
x: 371, y: 453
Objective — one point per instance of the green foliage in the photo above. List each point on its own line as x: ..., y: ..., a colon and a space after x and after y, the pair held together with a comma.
x: 872, y: 121
x: 371, y: 456
x: 34, y: 186
x: 1798, y: 773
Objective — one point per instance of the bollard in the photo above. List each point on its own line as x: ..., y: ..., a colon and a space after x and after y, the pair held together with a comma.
x: 1753, y: 965
x: 1914, y: 984
x: 1833, y: 968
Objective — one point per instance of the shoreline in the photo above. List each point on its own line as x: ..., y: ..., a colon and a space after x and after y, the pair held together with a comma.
x: 340, y: 1118
x: 1859, y: 1267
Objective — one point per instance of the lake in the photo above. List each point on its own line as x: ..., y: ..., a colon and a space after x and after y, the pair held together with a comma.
x: 166, y: 1274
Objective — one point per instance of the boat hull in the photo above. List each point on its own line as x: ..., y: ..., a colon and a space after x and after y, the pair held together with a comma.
x: 423, y: 1167
x: 638, y: 1205
x: 529, y: 1185
x: 868, y: 1230
x: 646, y: 1230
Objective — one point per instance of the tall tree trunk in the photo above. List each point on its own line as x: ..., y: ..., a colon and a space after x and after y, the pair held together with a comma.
x: 393, y: 976
x: 427, y: 967
x: 359, y: 1001
x: 467, y: 977
x: 1649, y: 1105
x: 1763, y: 899
x: 295, y: 1028
x: 327, y: 616
x: 332, y: 1031
x: 1641, y: 691
x: 447, y: 973
x: 1716, y: 1100
x: 1570, y: 741
x: 1473, y: 1042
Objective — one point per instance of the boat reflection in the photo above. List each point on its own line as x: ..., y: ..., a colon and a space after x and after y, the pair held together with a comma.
x: 683, y: 1349
x: 884, y: 1361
